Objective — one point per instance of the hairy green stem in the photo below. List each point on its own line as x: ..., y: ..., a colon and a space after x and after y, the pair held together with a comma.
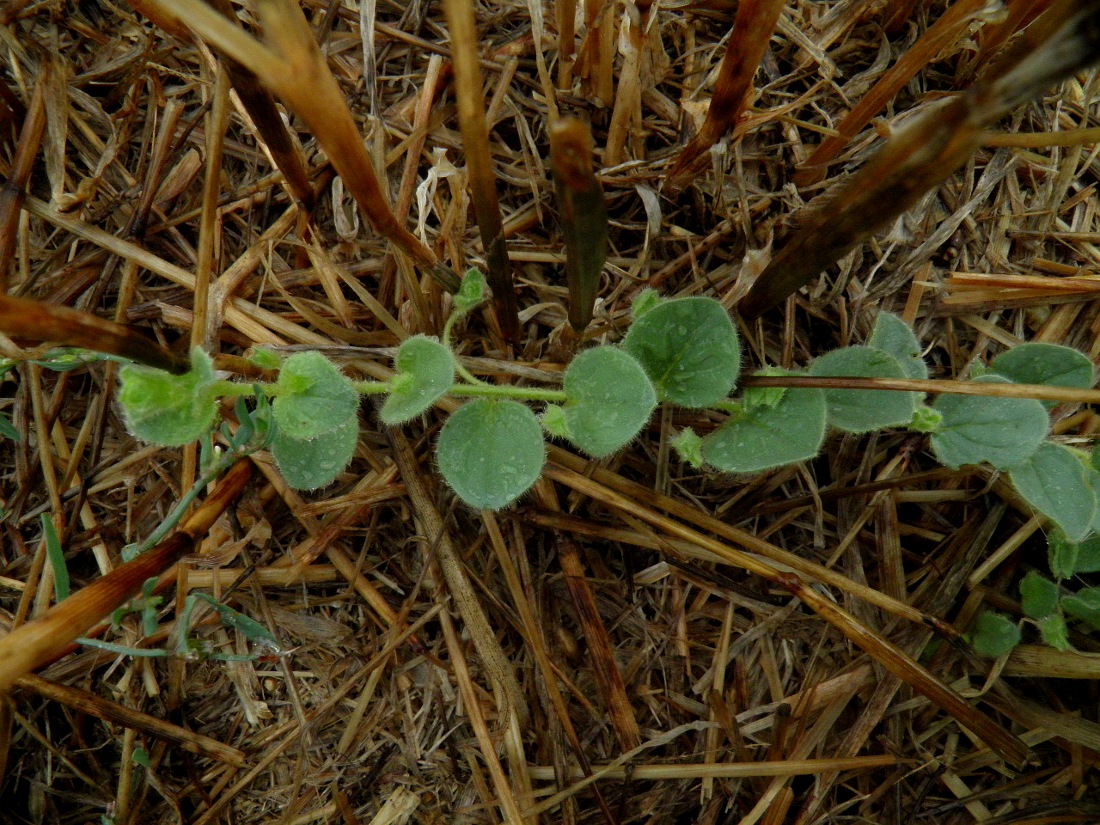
x: 483, y: 390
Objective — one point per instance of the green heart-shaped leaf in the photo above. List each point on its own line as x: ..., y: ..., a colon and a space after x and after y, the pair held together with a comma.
x: 610, y: 399
x: 425, y: 371
x: 312, y: 397
x: 170, y: 410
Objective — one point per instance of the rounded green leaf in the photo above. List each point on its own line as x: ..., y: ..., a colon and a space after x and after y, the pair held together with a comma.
x: 1049, y: 364
x: 1055, y: 482
x: 689, y: 349
x: 491, y: 451
x: 760, y: 438
x: 892, y: 335
x: 609, y: 399
x: 1071, y: 558
x: 425, y: 371
x: 312, y: 397
x: 1054, y: 631
x: 993, y: 634
x: 307, y: 464
x: 170, y: 410
x: 1084, y: 605
x: 977, y: 428
x: 1038, y: 595
x: 860, y: 411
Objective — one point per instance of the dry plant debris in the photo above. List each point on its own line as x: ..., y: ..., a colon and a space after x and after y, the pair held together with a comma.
x: 604, y: 651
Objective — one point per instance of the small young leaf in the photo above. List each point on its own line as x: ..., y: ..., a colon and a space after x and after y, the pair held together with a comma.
x: 425, y: 371
x: 1050, y: 364
x: 265, y: 358
x: 976, y: 428
x: 765, y: 396
x: 1084, y: 605
x: 7, y: 428
x: 1054, y: 631
x: 646, y: 300
x: 689, y: 446
x: 312, y: 397
x: 170, y: 410
x: 926, y: 419
x: 555, y: 423
x: 760, y: 438
x: 491, y: 451
x: 860, y: 411
x: 1038, y: 595
x: 140, y: 756
x: 610, y: 399
x: 307, y: 464
x: 472, y: 292
x: 1054, y: 481
x: 892, y: 335
x: 689, y: 349
x: 993, y: 634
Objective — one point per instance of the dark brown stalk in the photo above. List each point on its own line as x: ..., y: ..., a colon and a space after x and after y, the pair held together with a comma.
x: 84, y: 701
x: 752, y: 28
x: 583, y: 215
x: 940, y: 35
x: 36, y: 321
x: 37, y: 642
x: 479, y: 162
x: 260, y: 106
x: 13, y: 192
x: 926, y: 151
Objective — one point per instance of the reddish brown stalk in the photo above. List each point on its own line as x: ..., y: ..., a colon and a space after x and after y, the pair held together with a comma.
x: 583, y: 215
x: 606, y: 670
x: 13, y: 192
x: 37, y: 642
x: 479, y: 162
x: 752, y: 29
x: 36, y: 321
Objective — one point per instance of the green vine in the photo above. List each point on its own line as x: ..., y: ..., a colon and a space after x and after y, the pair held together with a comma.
x: 685, y: 352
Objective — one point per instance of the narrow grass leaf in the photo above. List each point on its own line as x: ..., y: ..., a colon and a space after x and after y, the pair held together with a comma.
x: 425, y: 371
x: 610, y: 399
x: 860, y: 411
x: 976, y: 428
x: 491, y: 451
x: 56, y: 556
x: 1055, y: 482
x: 307, y: 464
x: 689, y: 349
x: 312, y: 397
x: 762, y: 437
